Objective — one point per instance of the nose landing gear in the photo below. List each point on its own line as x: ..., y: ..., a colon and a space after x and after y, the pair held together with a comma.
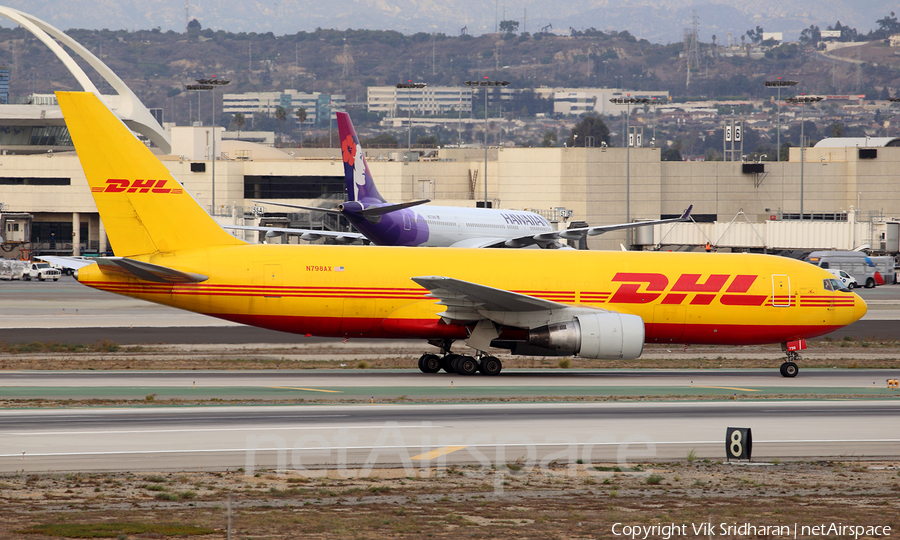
x: 789, y: 368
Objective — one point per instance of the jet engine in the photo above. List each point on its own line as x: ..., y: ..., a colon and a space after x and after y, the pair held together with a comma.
x: 607, y: 335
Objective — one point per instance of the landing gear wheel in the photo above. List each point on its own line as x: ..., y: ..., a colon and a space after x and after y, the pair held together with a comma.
x: 429, y: 363
x: 447, y: 362
x: 466, y: 365
x: 490, y: 365
x: 789, y: 369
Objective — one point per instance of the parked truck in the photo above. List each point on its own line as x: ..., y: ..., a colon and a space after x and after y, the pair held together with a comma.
x: 41, y: 271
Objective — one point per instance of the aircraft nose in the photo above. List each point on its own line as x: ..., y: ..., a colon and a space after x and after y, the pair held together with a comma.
x: 859, y: 308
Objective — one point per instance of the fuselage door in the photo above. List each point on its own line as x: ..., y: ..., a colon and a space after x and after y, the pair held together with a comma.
x: 407, y: 223
x: 781, y: 290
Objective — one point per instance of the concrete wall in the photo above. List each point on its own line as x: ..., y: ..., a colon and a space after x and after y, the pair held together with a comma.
x: 590, y: 181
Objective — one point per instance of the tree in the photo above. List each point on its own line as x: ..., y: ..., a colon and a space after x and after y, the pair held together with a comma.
x: 756, y: 36
x: 549, y: 139
x: 509, y: 27
x: 811, y: 36
x: 301, y: 117
x: 384, y: 140
x: 888, y: 25
x: 281, y: 115
x: 239, y: 121
x: 590, y: 131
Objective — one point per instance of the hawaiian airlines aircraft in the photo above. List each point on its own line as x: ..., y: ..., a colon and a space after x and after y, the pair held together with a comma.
x: 592, y: 304
x: 408, y: 224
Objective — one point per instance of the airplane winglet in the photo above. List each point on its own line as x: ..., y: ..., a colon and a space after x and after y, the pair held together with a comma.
x: 687, y: 213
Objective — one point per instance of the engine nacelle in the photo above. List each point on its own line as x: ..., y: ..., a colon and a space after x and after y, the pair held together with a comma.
x: 606, y: 335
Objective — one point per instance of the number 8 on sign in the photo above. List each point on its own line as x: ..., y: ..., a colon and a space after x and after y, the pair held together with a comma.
x: 736, y: 448
x: 738, y: 443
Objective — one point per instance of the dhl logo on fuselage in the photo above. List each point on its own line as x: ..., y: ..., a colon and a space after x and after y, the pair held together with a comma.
x: 118, y: 185
x: 703, y: 293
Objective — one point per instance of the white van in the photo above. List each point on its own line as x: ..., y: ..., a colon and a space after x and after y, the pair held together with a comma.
x: 846, y: 279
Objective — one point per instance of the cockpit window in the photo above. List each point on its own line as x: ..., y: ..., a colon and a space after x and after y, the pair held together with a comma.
x: 834, y: 285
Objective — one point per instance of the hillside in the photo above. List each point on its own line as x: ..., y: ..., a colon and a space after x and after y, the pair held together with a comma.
x: 156, y: 64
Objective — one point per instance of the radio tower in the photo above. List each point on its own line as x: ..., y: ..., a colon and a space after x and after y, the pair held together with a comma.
x: 691, y: 48
x: 187, y: 18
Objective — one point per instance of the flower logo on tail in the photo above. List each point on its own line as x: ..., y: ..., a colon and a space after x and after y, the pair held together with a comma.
x: 348, y: 150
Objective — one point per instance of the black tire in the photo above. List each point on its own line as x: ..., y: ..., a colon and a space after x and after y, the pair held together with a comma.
x: 466, y: 365
x: 490, y: 365
x: 40, y: 278
x: 447, y: 362
x: 430, y: 363
x: 56, y: 279
x: 870, y: 283
x: 789, y: 369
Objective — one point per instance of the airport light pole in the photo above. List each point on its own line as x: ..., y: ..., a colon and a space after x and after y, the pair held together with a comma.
x: 802, y: 100
x: 627, y: 101
x: 779, y: 83
x: 409, y: 85
x: 487, y: 83
x: 204, y: 85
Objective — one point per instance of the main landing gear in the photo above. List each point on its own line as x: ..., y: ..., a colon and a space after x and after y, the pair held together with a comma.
x: 458, y: 363
x: 789, y: 368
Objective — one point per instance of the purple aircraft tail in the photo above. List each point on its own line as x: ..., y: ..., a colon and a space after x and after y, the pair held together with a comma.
x: 358, y: 179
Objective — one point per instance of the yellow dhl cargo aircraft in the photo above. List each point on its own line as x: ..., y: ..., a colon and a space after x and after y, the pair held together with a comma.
x: 534, y: 302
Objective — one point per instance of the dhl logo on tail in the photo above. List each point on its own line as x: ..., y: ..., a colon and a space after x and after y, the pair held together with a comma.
x: 116, y: 185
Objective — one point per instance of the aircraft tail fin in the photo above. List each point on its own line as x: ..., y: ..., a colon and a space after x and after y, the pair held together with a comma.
x: 144, y: 209
x: 358, y: 179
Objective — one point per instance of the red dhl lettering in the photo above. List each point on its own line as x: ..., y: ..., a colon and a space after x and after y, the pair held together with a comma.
x: 634, y: 291
x: 118, y: 185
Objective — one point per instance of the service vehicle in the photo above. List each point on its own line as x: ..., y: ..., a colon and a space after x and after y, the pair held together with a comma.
x: 41, y: 271
x: 846, y: 279
x: 856, y: 263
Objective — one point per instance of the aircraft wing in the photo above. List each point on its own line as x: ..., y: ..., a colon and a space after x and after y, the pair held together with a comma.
x: 123, y: 266
x: 573, y: 234
x: 470, y: 302
x: 309, y: 235
x: 68, y: 262
x: 373, y: 211
x: 483, y: 242
x: 543, y: 239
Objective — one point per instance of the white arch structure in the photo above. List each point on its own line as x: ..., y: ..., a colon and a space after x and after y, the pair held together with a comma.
x: 124, y: 103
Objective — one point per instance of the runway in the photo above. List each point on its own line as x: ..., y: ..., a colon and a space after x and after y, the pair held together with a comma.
x: 363, y: 385
x: 462, y: 424
x: 311, y: 437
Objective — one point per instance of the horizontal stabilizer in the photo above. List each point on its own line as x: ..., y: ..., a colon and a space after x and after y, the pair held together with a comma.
x: 146, y: 271
x: 301, y: 207
x: 309, y: 235
x: 381, y: 210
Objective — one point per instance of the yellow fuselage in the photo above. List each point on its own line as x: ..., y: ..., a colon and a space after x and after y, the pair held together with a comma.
x: 368, y: 291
